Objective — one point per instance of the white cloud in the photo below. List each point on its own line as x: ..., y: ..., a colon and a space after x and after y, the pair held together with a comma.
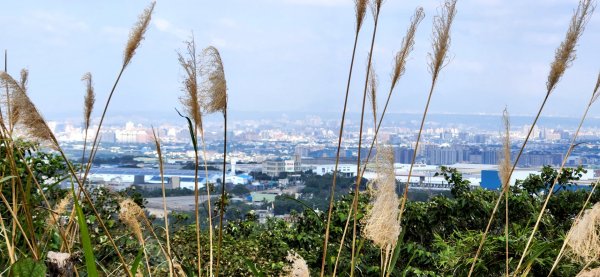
x: 166, y: 26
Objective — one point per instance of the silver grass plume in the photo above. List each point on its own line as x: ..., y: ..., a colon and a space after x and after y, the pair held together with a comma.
x: 441, y: 38
x: 407, y: 46
x: 372, y: 93
x: 565, y: 53
x: 382, y: 223
x: 28, y: 115
x: 89, y: 99
x: 297, y: 266
x: 130, y: 213
x: 584, y: 244
x: 360, y: 7
x: 136, y: 34
x: 505, y: 164
x: 595, y: 93
x: 214, y: 85
x: 191, y: 99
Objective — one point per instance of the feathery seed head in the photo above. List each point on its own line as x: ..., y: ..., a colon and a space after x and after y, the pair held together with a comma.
x: 360, y: 7
x: 584, y: 245
x: 373, y: 82
x: 129, y: 214
x: 297, y: 266
x: 214, y: 86
x: 27, y: 113
x: 192, y: 98
x: 382, y: 225
x: 136, y: 34
x: 441, y: 38
x: 565, y: 53
x: 595, y: 93
x: 407, y: 46
x: 59, y: 209
x: 594, y: 272
x: 89, y: 99
x: 375, y: 6
x: 505, y: 164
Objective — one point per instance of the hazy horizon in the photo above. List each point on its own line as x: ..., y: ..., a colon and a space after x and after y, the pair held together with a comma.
x: 500, y: 52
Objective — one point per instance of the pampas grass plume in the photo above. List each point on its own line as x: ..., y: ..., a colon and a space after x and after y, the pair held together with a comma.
x: 595, y: 93
x: 28, y: 114
x: 565, y: 53
x: 382, y: 224
x: 505, y: 164
x: 407, y: 46
x: 584, y: 245
x: 214, y: 85
x: 137, y: 34
x: 297, y: 266
x: 89, y: 99
x: 129, y: 214
x: 191, y: 98
x: 360, y: 7
x: 441, y: 38
x: 59, y: 209
x: 595, y: 272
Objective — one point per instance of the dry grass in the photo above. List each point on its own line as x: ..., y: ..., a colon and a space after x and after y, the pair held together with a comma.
x: 595, y: 272
x: 408, y: 43
x: 130, y: 214
x: 137, y: 34
x: 59, y: 209
x: 440, y: 44
x: 297, y: 266
x: 89, y: 99
x: 360, y: 9
x: 372, y: 94
x: 584, y: 244
x: 441, y: 39
x: 382, y: 223
x: 565, y: 53
x: 504, y: 171
x: 29, y: 116
x: 214, y: 86
x: 191, y: 98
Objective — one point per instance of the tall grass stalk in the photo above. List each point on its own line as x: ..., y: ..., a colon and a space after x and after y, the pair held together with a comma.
x: 437, y: 60
x: 360, y: 9
x: 399, y: 68
x: 214, y: 87
x: 560, y: 172
x: 192, y: 104
x: 570, y: 233
x: 164, y: 197
x: 587, y: 201
x: 504, y: 172
x: 375, y: 9
x: 37, y: 128
x: 565, y: 54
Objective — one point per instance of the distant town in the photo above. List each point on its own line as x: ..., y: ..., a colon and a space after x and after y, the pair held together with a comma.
x: 279, y: 150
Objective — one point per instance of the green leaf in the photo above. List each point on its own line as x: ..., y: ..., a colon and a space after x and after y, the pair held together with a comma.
x: 90, y: 260
x: 136, y: 262
x: 252, y: 267
x: 4, y: 179
x: 191, y: 130
x: 28, y: 267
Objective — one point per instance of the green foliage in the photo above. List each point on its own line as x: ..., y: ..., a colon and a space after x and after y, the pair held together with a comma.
x: 28, y: 267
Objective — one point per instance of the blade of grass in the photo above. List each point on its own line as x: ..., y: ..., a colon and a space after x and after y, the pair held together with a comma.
x: 90, y: 260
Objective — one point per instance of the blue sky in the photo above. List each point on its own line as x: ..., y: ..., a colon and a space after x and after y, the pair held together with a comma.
x: 293, y: 55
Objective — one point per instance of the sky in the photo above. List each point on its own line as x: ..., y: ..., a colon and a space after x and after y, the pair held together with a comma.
x: 294, y: 55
